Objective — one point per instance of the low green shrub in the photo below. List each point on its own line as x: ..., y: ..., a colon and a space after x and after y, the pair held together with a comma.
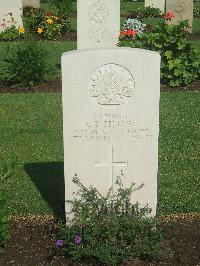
x: 25, y: 64
x: 180, y: 62
x: 63, y: 6
x: 109, y: 228
x: 152, y: 12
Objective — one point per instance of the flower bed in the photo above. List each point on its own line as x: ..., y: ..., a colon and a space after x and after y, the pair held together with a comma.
x: 37, y: 23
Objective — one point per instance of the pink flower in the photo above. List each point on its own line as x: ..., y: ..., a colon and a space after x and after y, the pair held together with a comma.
x: 169, y: 15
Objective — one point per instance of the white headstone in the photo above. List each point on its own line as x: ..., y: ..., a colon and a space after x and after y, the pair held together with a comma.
x: 32, y: 3
x: 111, y: 119
x: 156, y: 3
x: 182, y: 9
x: 98, y: 23
x: 10, y: 13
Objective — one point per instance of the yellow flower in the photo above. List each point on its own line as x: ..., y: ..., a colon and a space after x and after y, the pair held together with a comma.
x: 21, y: 30
x: 49, y: 21
x: 39, y: 30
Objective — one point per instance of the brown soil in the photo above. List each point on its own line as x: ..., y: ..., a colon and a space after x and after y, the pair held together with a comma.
x: 56, y: 86
x: 32, y: 243
x: 68, y: 36
x: 194, y: 36
x: 48, y: 86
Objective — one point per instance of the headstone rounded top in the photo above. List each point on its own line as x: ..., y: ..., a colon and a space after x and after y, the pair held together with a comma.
x: 111, y: 85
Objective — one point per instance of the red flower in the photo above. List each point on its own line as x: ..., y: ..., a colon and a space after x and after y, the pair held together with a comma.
x: 130, y: 33
x: 169, y: 15
x: 48, y: 13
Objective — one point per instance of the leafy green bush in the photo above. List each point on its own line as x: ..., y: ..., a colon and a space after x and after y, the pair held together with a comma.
x: 152, y: 12
x: 6, y: 170
x: 180, y: 61
x: 25, y: 64
x: 63, y: 6
x: 109, y: 228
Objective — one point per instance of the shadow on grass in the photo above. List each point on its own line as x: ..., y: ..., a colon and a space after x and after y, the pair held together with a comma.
x: 49, y: 179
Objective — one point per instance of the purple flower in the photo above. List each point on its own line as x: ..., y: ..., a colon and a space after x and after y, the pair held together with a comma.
x: 77, y: 239
x: 59, y: 243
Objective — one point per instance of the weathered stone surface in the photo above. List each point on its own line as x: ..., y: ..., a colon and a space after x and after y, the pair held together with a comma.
x: 111, y: 119
x: 32, y: 3
x: 98, y: 23
x: 182, y: 9
x: 156, y: 3
x: 10, y: 13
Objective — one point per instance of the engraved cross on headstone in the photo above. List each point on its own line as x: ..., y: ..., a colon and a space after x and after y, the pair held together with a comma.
x: 111, y: 164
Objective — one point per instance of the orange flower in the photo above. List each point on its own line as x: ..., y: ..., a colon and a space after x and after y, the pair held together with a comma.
x: 169, y: 15
x: 130, y: 33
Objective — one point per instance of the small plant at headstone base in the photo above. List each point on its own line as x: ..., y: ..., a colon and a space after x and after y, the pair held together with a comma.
x: 152, y: 12
x: 6, y: 171
x: 25, y: 64
x: 134, y: 24
x: 109, y: 229
x: 9, y: 30
x: 180, y: 62
x: 12, y: 33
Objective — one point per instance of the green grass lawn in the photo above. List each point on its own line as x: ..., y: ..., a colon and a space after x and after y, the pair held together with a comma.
x: 31, y: 129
